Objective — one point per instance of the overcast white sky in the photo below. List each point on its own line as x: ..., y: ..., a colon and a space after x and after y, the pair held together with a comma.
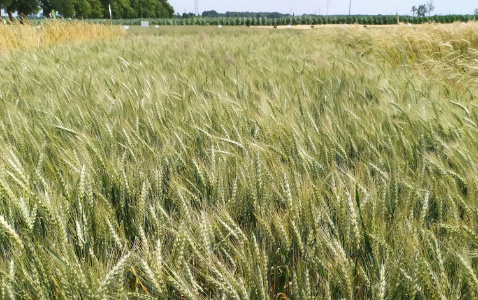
x: 370, y: 7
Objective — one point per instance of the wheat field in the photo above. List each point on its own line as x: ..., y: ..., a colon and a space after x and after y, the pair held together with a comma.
x: 31, y: 36
x: 241, y: 163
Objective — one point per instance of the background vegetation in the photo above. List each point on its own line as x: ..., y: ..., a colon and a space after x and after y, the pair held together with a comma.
x: 90, y: 8
x: 293, y: 20
x: 242, y: 163
x: 238, y: 14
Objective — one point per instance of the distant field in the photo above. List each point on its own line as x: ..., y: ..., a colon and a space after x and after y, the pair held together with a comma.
x: 241, y: 163
x: 30, y: 36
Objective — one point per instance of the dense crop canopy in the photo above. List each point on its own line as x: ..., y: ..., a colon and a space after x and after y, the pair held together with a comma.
x: 235, y: 163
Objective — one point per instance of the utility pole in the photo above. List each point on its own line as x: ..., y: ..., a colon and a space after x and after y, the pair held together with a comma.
x: 328, y: 7
x: 350, y: 6
x: 196, y: 7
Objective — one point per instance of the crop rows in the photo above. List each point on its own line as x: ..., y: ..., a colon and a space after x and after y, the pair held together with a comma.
x: 295, y: 20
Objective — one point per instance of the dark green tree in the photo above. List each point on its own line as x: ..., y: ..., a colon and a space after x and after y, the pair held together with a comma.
x: 23, y: 7
x: 96, y: 9
x: 73, y: 8
x: 210, y: 14
x: 82, y: 8
x: 46, y: 7
x: 91, y: 8
x: 167, y: 11
x: 188, y: 15
x: 121, y: 9
x: 151, y: 9
x: 66, y: 8
x: 4, y: 4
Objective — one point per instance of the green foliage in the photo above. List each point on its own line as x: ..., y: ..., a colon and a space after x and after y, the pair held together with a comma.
x: 240, y: 163
x: 151, y: 9
x: 138, y: 8
x: 304, y: 20
x: 96, y: 9
x: 210, y: 14
x: 66, y: 8
x: 93, y: 8
x: 23, y: 7
x: 5, y: 3
x: 82, y: 8
x: 46, y: 6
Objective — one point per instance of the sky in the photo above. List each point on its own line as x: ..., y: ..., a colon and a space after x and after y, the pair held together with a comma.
x: 335, y: 7
x: 339, y: 7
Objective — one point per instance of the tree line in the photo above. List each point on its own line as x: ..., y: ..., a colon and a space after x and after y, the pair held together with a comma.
x: 120, y: 9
